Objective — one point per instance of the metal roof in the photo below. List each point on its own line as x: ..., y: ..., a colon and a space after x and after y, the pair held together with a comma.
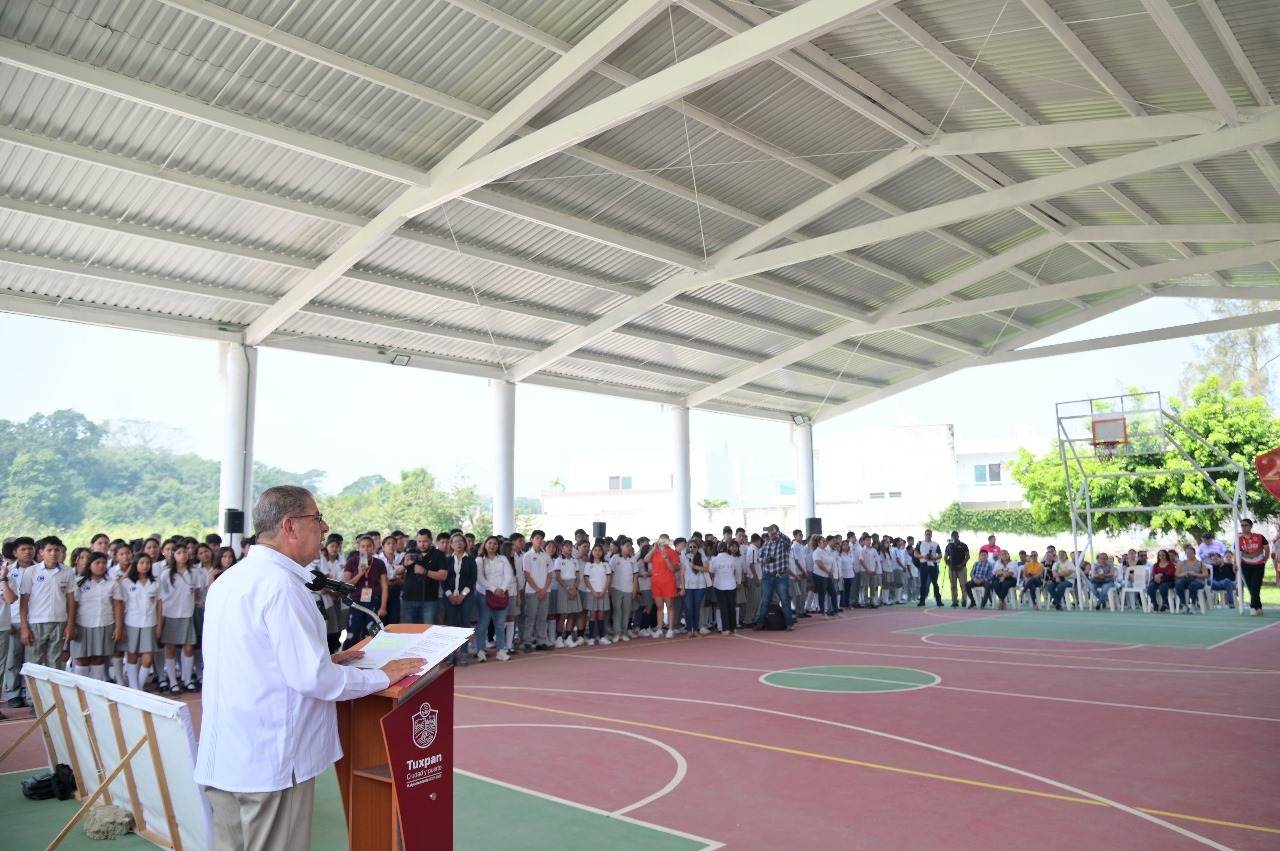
x: 767, y: 208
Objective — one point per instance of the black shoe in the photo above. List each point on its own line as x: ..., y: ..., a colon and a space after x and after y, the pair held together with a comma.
x: 973, y: 605
x: 15, y: 703
x: 544, y: 647
x: 920, y: 604
x: 955, y: 605
x: 939, y: 603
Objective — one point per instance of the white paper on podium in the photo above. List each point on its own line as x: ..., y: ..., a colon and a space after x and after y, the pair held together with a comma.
x: 435, y: 645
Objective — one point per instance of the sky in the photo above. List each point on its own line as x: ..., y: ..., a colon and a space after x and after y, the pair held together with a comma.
x: 352, y: 418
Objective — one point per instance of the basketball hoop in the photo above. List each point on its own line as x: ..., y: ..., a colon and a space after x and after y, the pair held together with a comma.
x: 1108, y: 436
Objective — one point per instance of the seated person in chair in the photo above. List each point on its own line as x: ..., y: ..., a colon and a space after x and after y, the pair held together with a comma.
x: 1032, y: 577
x: 1192, y: 574
x: 1223, y: 576
x: 981, y: 577
x: 1062, y: 576
x: 1103, y: 580
x: 1004, y: 578
x: 1163, y: 574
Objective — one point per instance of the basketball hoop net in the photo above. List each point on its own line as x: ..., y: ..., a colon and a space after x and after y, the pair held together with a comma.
x: 1105, y: 450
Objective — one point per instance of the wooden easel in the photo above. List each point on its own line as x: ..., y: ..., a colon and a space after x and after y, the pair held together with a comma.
x: 57, y: 712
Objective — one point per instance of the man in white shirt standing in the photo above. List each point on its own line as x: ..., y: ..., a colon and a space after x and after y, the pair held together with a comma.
x: 270, y: 726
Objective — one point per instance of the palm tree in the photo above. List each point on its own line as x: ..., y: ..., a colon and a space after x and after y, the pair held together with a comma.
x: 557, y: 485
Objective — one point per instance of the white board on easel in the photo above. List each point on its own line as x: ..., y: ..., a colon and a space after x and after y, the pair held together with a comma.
x: 94, y: 724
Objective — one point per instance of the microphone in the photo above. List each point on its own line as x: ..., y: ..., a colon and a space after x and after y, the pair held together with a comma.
x: 320, y: 582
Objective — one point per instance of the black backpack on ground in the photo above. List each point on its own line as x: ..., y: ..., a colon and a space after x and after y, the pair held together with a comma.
x: 61, y: 784
x: 774, y: 620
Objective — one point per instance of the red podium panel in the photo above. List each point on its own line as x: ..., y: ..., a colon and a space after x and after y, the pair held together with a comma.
x: 1268, y: 464
x: 370, y: 773
x: 419, y: 737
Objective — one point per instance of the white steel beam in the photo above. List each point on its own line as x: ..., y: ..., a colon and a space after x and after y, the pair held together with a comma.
x: 956, y: 366
x: 1073, y: 134
x: 1086, y: 286
x: 67, y: 310
x: 1174, y: 233
x: 1242, y: 293
x: 1248, y: 73
x: 1184, y: 45
x: 1177, y: 332
x: 713, y: 64
x: 1263, y: 130
x: 826, y: 200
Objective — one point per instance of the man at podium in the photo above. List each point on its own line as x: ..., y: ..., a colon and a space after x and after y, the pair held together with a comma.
x: 270, y: 723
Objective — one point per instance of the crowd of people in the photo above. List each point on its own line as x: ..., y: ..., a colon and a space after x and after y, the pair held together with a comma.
x: 132, y: 611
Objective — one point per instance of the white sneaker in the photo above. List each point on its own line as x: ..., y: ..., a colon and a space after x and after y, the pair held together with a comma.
x: 626, y: 637
x: 671, y: 633
x: 704, y: 631
x: 591, y: 642
x: 481, y: 656
x: 489, y: 645
x: 1253, y: 613
x: 559, y: 642
x: 604, y: 641
x: 503, y: 656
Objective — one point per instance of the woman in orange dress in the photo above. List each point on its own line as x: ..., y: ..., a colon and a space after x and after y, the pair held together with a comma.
x: 665, y: 563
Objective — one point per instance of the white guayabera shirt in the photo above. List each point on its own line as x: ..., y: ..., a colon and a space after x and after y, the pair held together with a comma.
x: 269, y: 684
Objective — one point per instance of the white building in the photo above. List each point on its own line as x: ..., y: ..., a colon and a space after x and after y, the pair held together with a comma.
x: 885, y: 479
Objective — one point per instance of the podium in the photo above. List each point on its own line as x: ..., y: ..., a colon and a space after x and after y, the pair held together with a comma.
x: 396, y: 771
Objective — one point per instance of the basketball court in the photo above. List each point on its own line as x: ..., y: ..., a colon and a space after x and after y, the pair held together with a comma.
x: 933, y: 727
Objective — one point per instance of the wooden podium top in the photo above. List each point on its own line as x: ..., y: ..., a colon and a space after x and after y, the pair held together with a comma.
x: 410, y: 684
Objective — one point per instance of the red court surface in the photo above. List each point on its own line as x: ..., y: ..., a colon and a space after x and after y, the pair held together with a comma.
x: 1017, y: 742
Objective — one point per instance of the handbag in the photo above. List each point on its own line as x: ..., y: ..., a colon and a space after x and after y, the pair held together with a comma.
x: 495, y: 601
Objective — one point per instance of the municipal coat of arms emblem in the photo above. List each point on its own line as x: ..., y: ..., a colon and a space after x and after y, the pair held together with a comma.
x: 424, y: 726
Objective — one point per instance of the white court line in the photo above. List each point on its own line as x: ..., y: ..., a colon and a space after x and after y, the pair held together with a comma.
x: 708, y: 844
x: 808, y: 672
x: 1116, y: 619
x: 960, y: 688
x: 1204, y: 840
x: 682, y: 767
x: 925, y: 639
x: 1008, y: 662
x: 1242, y: 635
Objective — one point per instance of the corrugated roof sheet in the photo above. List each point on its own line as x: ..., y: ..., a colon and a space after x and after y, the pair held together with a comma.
x: 552, y: 246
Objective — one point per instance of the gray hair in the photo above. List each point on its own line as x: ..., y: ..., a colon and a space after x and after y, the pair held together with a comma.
x: 275, y: 505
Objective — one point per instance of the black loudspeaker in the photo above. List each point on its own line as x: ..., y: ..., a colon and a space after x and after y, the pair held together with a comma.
x: 233, y: 521
x: 812, y: 526
x: 597, y: 529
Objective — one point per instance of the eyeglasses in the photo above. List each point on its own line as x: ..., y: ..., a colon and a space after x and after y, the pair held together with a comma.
x: 317, y: 516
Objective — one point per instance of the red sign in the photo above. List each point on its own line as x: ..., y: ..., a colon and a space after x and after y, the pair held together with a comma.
x: 1268, y: 464
x: 419, y: 737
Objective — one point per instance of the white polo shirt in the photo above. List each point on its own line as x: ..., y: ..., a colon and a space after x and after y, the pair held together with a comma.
x: 823, y: 561
x: 537, y: 567
x: 178, y: 593
x: 266, y: 661
x: 597, y: 573
x: 725, y: 572
x: 94, y: 602
x: 624, y: 573
x: 567, y: 568
x: 140, y: 602
x: 46, y: 590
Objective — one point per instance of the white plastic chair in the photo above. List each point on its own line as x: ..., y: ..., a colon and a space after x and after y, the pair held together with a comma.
x: 1202, y: 598
x: 1141, y: 576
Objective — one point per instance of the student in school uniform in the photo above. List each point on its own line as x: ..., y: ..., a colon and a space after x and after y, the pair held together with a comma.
x: 622, y: 590
x: 513, y: 549
x: 597, y: 575
x: 826, y: 567
x: 47, y: 605
x: 537, y: 590
x: 750, y: 550
x: 567, y: 602
x: 8, y: 601
x: 582, y: 555
x: 142, y: 613
x: 643, y: 603
x: 24, y: 555
x: 96, y: 628
x: 179, y: 586
x: 553, y: 593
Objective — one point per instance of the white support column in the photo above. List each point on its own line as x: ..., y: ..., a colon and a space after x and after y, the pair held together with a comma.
x: 804, y: 472
x: 504, y: 489
x: 238, y: 366
x: 681, y: 480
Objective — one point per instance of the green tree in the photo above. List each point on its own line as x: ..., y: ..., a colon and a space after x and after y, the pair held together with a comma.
x: 710, y: 504
x: 41, y: 486
x: 1239, y: 425
x: 1235, y: 355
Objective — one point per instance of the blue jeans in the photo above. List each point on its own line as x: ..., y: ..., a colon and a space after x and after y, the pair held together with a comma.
x: 1057, y: 590
x: 1162, y: 588
x: 825, y: 586
x: 929, y: 576
x: 1029, y: 586
x: 358, y: 623
x: 460, y: 615
x: 779, y: 584
x: 1184, y: 585
x: 1101, y: 589
x: 1227, y: 585
x: 497, y: 617
x: 418, y: 611
x: 692, y: 608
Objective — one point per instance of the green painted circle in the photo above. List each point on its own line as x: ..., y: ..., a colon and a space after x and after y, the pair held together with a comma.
x: 861, y: 679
